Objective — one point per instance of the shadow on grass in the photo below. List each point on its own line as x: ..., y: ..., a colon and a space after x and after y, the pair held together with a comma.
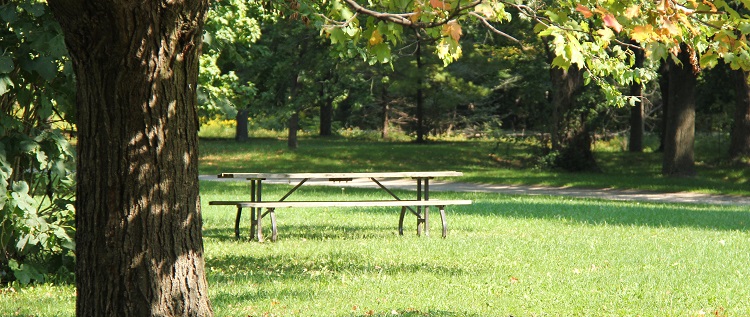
x: 417, y: 313
x: 592, y: 212
x: 321, y: 231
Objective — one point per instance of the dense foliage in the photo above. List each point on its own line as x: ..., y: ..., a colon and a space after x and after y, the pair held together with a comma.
x: 36, y: 180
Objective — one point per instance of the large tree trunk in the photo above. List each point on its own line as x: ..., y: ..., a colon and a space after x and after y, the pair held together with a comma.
x: 139, y: 243
x: 740, y: 141
x: 635, y: 144
x: 679, y: 139
x: 571, y: 136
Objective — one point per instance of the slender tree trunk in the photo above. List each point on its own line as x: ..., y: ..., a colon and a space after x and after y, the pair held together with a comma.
x: 664, y: 89
x: 326, y: 109
x: 139, y: 246
x: 386, y: 109
x: 635, y: 144
x: 740, y: 140
x: 326, y: 117
x: 420, y: 96
x: 679, y: 139
x: 241, y: 133
x: 292, y: 141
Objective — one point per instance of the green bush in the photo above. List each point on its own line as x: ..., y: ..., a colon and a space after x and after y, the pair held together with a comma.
x: 36, y: 205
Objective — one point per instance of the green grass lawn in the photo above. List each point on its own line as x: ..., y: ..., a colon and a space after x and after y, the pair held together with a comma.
x: 504, y: 255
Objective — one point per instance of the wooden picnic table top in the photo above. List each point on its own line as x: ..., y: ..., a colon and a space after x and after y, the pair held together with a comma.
x: 341, y: 175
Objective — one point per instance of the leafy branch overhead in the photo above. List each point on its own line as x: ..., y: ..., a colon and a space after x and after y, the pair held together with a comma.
x: 598, y: 36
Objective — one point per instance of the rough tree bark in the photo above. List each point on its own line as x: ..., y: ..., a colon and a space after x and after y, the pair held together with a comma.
x: 139, y: 242
x: 679, y: 138
x: 740, y: 141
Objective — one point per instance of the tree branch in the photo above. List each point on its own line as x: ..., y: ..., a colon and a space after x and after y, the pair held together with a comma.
x: 403, y: 18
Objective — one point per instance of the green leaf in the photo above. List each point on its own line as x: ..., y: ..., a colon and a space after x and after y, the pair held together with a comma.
x: 46, y: 67
x: 25, y: 273
x: 21, y: 187
x: 5, y: 84
x: 337, y: 36
x: 382, y: 52
x: 8, y: 13
x: 6, y: 64
x: 709, y: 60
x: 35, y: 9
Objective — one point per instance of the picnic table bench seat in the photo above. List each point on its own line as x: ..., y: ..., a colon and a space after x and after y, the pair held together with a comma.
x: 271, y: 206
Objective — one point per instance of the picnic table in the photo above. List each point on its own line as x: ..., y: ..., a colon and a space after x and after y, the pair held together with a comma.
x: 419, y: 206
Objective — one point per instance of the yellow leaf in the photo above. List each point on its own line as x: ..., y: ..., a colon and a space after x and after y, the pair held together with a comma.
x: 633, y: 11
x: 671, y: 28
x: 375, y: 38
x: 452, y: 29
x: 584, y: 10
x: 417, y: 14
x: 440, y: 4
x: 662, y: 6
x: 607, y: 36
x: 713, y: 7
x: 642, y: 33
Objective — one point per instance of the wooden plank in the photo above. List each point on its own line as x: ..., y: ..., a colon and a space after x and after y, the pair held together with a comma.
x: 356, y: 203
x: 341, y: 175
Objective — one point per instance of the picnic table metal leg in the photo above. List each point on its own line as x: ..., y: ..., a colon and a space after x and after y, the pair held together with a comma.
x: 274, y: 233
x: 444, y: 220
x: 237, y: 223
x: 253, y: 211
x: 259, y: 224
x: 426, y: 208
x: 401, y: 221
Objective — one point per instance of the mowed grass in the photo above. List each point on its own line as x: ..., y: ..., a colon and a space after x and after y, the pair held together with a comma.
x: 507, y: 162
x: 504, y: 255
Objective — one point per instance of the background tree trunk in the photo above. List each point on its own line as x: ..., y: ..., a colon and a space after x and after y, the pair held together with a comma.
x: 241, y: 133
x: 292, y: 141
x: 139, y: 243
x: 386, y: 109
x: 664, y: 90
x: 740, y: 141
x: 420, y: 96
x: 635, y: 143
x: 679, y: 138
x: 571, y: 136
x: 326, y: 117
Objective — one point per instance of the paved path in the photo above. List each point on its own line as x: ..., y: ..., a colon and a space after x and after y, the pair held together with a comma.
x: 610, y: 194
